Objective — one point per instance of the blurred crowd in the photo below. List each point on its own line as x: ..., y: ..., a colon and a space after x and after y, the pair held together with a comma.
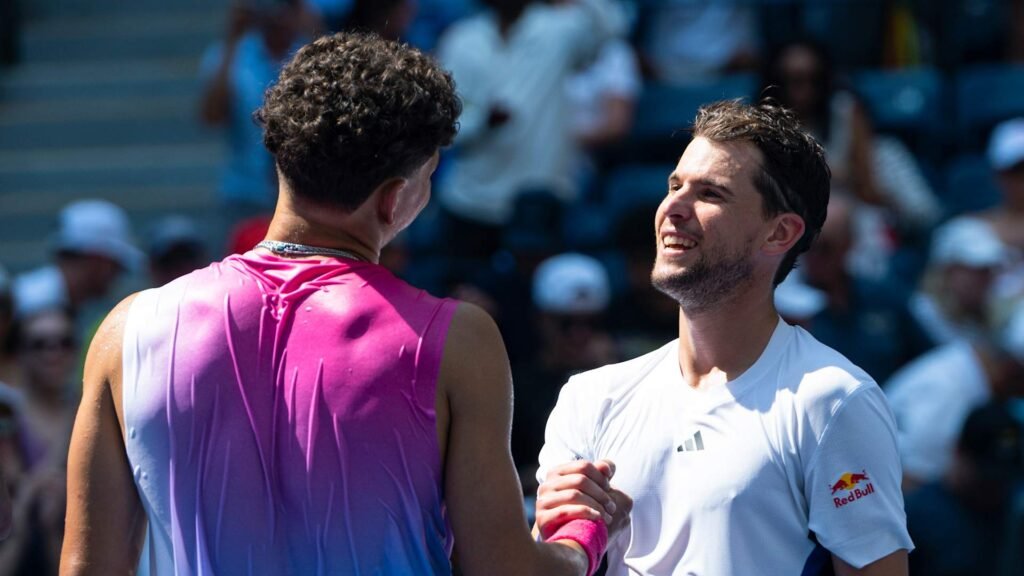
x: 575, y: 112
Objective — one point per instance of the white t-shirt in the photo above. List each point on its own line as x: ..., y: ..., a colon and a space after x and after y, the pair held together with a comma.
x: 735, y: 479
x: 525, y: 73
x: 931, y: 398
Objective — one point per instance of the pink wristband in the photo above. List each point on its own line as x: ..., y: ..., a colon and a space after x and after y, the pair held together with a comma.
x: 591, y: 535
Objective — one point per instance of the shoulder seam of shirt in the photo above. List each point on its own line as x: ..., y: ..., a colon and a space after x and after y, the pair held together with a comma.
x: 842, y: 404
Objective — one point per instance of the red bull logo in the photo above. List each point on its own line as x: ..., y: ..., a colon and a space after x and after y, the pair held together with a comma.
x: 857, y: 486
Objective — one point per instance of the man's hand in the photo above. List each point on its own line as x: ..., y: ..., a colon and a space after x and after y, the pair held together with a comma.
x: 581, y: 489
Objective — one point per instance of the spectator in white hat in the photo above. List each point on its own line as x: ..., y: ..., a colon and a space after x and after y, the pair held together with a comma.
x: 1006, y: 156
x: 92, y: 246
x: 932, y: 396
x: 953, y: 301
x: 571, y: 293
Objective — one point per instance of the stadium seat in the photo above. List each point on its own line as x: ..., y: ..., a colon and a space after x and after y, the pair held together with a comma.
x: 636, y: 185
x: 970, y: 186
x: 665, y: 112
x: 986, y: 95
x: 902, y: 101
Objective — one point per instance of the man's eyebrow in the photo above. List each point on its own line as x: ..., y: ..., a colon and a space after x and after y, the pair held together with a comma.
x: 717, y: 185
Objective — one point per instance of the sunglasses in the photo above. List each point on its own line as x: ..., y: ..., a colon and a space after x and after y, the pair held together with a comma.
x: 39, y: 344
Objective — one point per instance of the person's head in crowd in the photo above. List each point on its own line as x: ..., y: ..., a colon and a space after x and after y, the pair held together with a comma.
x: 507, y: 10
x: 355, y: 154
x: 280, y: 23
x: 966, y: 255
x: 773, y: 177
x: 1006, y: 156
x: 93, y: 246
x: 825, y: 264
x: 48, y: 353
x: 571, y: 293
x: 534, y: 232
x: 176, y: 248
x: 989, y: 458
x: 799, y: 75
x: 388, y: 18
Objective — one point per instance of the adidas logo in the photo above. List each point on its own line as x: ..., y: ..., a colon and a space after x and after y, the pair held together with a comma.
x: 692, y: 444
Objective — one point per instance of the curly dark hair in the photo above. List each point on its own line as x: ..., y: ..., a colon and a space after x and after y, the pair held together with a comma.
x: 352, y: 110
x: 794, y: 177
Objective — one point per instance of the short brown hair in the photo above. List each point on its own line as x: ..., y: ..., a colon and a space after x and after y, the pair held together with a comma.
x: 352, y: 110
x: 794, y: 176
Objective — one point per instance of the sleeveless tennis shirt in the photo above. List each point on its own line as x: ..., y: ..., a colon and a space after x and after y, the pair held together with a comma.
x: 280, y: 420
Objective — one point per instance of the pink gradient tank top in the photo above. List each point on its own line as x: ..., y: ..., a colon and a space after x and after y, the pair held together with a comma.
x: 280, y: 420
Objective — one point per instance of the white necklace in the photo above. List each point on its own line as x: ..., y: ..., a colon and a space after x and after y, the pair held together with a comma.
x: 292, y: 249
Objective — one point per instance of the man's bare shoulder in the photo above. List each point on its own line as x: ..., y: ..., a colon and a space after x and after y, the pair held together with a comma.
x: 474, y: 350
x: 103, y: 362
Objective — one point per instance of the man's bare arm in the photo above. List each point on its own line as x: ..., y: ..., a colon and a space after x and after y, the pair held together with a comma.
x: 481, y: 487
x: 894, y: 564
x: 105, y: 520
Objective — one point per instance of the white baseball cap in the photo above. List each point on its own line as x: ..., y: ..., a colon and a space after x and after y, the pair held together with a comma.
x: 98, y: 227
x: 571, y: 283
x: 967, y: 241
x: 1006, y: 145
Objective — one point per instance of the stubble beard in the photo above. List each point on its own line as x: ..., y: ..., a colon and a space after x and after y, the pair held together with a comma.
x: 709, y: 282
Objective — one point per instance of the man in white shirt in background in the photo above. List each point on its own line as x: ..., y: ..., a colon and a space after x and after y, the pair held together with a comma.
x: 510, y: 64
x: 932, y: 396
x: 747, y: 446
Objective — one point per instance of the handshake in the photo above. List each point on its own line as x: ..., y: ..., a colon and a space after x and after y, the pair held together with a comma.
x: 581, y: 490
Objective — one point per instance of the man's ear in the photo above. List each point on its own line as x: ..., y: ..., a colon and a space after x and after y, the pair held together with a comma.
x: 788, y: 229
x: 387, y: 196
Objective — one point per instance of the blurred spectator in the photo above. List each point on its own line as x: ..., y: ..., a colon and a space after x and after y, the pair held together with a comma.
x: 879, y: 171
x: 14, y: 550
x: 175, y: 249
x: 387, y: 18
x: 235, y: 73
x: 331, y: 13
x: 1006, y: 155
x: 602, y: 99
x: 433, y: 17
x: 571, y: 293
x: 48, y: 352
x: 510, y: 64
x: 502, y: 284
x: 245, y: 235
x: 932, y: 396
x: 691, y: 40
x: 641, y: 318
x: 959, y: 522
x: 953, y: 301
x: 866, y: 320
x: 93, y: 246
x: 797, y: 303
x: 10, y: 372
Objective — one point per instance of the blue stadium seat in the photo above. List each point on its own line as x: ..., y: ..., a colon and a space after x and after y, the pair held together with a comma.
x: 636, y: 185
x: 665, y: 112
x: 587, y: 227
x: 986, y: 95
x: 970, y: 186
x: 902, y: 101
